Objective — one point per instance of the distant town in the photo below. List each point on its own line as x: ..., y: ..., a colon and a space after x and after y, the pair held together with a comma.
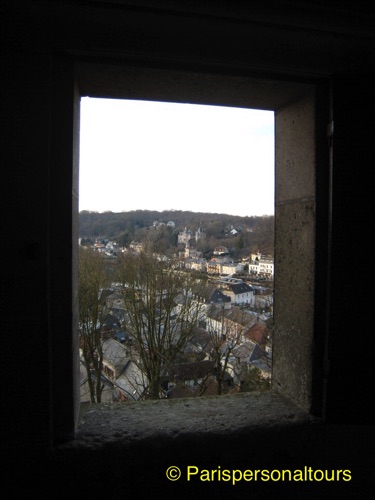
x: 228, y: 347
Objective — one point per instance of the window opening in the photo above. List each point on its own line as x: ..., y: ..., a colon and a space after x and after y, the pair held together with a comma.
x: 176, y: 228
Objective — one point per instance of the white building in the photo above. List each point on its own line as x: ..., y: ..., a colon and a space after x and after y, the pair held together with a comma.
x: 240, y: 293
x: 232, y: 268
x: 261, y: 265
x: 266, y: 265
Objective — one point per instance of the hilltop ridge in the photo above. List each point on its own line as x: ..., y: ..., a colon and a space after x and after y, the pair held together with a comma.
x: 250, y: 234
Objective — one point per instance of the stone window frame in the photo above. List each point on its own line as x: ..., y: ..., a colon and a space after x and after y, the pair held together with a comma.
x: 301, y: 214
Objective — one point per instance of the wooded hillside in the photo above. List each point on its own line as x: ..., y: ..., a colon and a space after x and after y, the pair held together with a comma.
x: 253, y: 233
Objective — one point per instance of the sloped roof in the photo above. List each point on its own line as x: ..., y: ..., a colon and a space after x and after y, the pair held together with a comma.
x: 111, y: 321
x: 238, y: 288
x: 105, y: 293
x: 218, y: 296
x: 213, y: 294
x: 244, y: 350
x: 257, y: 332
x: 257, y: 354
x: 211, y: 389
x: 132, y: 381
x: 248, y: 351
x: 199, y: 336
x: 114, y: 354
x: 234, y: 314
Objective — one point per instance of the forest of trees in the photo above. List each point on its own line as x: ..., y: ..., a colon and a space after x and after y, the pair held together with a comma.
x: 255, y: 233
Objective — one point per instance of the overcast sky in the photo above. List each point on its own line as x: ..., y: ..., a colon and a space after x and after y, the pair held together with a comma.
x: 162, y: 156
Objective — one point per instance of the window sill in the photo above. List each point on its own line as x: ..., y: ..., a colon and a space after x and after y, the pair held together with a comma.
x: 194, y: 428
x: 136, y: 442
x: 175, y: 419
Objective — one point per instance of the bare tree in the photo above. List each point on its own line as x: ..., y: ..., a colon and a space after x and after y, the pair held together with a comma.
x: 162, y: 312
x: 225, y: 336
x: 92, y: 314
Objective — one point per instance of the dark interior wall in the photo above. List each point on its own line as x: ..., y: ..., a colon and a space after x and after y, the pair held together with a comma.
x: 269, y: 40
x: 25, y: 160
x: 62, y: 238
x: 351, y: 295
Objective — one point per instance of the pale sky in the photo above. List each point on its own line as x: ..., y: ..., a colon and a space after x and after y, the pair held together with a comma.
x: 142, y: 155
